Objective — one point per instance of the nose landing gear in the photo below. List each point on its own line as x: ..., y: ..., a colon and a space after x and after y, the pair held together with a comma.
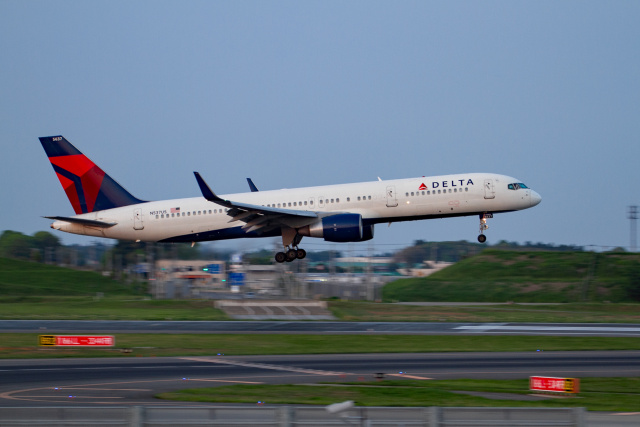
x: 483, y: 226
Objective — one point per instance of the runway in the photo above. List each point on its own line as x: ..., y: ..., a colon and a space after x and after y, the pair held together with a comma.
x: 135, y: 381
x: 275, y: 327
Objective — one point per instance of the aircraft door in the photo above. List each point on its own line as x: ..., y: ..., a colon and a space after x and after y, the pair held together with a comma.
x: 391, y: 197
x: 137, y: 219
x: 489, y: 190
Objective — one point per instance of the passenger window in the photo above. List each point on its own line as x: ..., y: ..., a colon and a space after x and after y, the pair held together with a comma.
x: 311, y: 202
x: 358, y: 198
x: 157, y: 216
x: 348, y: 199
x: 423, y: 193
x: 337, y: 200
x: 295, y: 204
x: 369, y: 197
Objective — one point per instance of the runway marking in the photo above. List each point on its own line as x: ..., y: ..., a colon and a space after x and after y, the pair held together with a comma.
x: 10, y: 394
x: 224, y: 381
x: 413, y: 377
x: 264, y: 366
x: 583, y: 329
x: 65, y: 398
x: 102, y: 389
x: 103, y: 368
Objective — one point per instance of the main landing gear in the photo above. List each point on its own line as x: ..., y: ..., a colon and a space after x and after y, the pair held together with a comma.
x: 291, y: 254
x: 483, y: 226
x: 290, y: 240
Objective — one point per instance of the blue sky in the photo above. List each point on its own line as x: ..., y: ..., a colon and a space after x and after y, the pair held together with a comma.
x: 312, y: 93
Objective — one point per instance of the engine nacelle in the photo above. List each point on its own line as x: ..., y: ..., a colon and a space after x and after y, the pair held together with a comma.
x: 367, y: 232
x: 339, y: 228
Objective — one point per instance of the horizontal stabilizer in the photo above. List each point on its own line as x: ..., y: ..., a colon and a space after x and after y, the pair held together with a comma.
x: 81, y: 221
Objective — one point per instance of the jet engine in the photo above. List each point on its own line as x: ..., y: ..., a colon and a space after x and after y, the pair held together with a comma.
x: 339, y: 228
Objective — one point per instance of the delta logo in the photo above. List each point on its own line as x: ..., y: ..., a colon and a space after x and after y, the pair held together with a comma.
x: 422, y: 187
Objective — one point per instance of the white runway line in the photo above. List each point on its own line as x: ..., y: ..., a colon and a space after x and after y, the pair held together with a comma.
x: 262, y: 366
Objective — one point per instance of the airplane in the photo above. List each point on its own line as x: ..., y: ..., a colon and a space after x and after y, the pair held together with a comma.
x: 335, y: 213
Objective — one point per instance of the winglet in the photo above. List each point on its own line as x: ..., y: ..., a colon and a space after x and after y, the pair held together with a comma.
x: 207, y: 193
x: 252, y: 186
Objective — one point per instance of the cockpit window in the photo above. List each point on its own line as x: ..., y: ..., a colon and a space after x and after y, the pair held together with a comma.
x: 516, y: 186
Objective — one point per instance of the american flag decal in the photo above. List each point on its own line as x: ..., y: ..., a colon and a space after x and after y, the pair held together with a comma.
x: 175, y: 210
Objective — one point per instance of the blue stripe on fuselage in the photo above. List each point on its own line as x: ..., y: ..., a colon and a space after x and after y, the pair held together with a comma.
x: 223, y: 234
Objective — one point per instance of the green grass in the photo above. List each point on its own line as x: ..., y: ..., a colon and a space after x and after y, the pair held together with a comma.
x: 24, y: 278
x: 125, y: 307
x: 501, y: 276
x: 597, y: 394
x: 362, y: 311
x: 108, y: 308
x: 148, y: 345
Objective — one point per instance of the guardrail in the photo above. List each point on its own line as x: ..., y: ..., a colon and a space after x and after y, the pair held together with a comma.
x: 288, y: 416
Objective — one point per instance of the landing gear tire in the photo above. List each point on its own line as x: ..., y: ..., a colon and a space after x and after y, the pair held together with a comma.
x: 482, y: 238
x: 281, y: 257
x: 292, y: 254
x: 301, y: 253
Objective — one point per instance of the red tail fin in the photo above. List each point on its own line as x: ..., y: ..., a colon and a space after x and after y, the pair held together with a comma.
x: 88, y: 187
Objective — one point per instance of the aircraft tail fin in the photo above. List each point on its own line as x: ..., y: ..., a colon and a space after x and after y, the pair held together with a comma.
x: 88, y: 187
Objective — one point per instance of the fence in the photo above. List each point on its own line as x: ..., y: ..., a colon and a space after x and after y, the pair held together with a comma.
x: 288, y: 416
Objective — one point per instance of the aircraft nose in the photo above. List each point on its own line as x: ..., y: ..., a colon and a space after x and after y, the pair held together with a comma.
x: 535, y: 198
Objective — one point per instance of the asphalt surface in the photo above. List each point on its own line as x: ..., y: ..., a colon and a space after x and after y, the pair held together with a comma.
x: 262, y: 327
x: 134, y: 381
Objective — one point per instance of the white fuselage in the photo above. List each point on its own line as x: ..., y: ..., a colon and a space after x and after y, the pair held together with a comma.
x: 196, y: 218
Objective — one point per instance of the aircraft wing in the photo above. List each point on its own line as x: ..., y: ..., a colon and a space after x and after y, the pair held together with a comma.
x: 257, y: 217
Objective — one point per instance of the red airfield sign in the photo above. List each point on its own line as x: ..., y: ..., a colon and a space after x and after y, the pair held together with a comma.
x: 77, y: 340
x: 558, y: 385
